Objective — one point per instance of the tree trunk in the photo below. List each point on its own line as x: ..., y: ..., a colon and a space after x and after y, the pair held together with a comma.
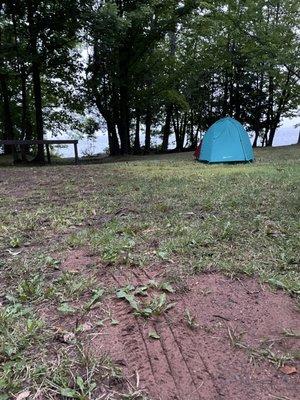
x: 192, y: 137
x: 137, y: 144
x: 148, y: 131
x: 225, y: 98
x: 113, y: 142
x: 270, y: 139
x: 108, y: 115
x: 8, y: 132
x: 179, y: 126
x: 167, y: 128
x: 40, y: 156
x: 124, y: 119
x: 265, y: 138
x: 255, y: 139
x: 169, y: 108
x: 26, y: 127
x: 281, y: 104
x: 26, y: 131
x: 270, y: 112
x: 237, y: 98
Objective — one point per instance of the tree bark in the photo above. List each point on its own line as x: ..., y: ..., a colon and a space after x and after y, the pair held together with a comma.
x: 124, y: 117
x: 281, y: 104
x: 225, y: 98
x: 26, y: 129
x: 167, y: 128
x: 255, y: 139
x: 179, y: 126
x: 8, y: 131
x: 192, y: 138
x: 270, y: 112
x: 137, y: 144
x: 40, y: 156
x: 270, y: 139
x: 113, y: 142
x: 148, y: 131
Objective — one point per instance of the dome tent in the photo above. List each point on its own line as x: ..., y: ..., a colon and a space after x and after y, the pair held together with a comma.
x: 226, y: 141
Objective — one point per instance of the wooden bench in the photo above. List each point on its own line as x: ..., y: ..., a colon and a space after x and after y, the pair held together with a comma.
x: 46, y: 143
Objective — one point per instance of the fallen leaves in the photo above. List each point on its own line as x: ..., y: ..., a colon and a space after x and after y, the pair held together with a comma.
x: 153, y: 335
x: 288, y: 369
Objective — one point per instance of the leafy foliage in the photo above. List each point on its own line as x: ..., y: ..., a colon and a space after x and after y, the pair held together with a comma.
x: 140, y: 68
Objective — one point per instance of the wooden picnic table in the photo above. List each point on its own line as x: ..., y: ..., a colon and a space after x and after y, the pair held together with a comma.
x: 46, y: 143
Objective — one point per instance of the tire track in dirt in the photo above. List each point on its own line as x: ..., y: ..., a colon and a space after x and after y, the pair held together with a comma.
x: 178, y: 363
x: 191, y: 357
x: 155, y: 373
x: 131, y: 334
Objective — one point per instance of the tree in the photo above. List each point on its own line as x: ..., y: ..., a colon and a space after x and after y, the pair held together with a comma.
x: 121, y: 34
x: 41, y: 36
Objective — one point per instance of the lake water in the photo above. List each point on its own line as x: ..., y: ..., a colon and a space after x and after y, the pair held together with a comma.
x: 287, y: 134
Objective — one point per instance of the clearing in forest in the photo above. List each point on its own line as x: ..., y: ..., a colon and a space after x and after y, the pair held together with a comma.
x: 151, y: 278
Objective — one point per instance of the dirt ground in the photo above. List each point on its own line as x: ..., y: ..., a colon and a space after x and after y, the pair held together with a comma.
x: 154, y: 268
x: 231, y: 348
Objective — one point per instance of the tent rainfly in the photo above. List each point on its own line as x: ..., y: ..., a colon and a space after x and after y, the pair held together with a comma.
x: 226, y: 141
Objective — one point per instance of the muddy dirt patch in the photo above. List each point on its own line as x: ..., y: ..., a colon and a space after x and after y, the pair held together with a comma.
x: 222, y: 339
x: 76, y: 261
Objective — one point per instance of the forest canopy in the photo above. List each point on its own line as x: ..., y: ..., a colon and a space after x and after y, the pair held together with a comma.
x: 140, y: 68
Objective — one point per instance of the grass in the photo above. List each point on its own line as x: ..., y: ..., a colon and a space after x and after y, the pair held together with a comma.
x: 166, y: 210
x: 263, y: 352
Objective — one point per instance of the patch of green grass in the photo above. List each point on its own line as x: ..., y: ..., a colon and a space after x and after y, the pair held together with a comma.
x: 18, y: 328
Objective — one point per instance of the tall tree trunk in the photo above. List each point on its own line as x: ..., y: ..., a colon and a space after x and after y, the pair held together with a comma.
x: 148, y: 122
x: 281, y: 104
x: 255, y: 139
x: 113, y: 142
x: 237, y: 94
x: 124, y: 118
x: 179, y: 126
x: 26, y: 132
x: 270, y: 112
x: 137, y: 144
x: 40, y: 156
x: 26, y: 127
x: 167, y: 128
x: 183, y: 131
x: 191, y: 132
x: 108, y: 115
x: 231, y: 97
x: 270, y: 139
x: 265, y: 138
x: 8, y: 131
x: 225, y: 98
x: 169, y: 107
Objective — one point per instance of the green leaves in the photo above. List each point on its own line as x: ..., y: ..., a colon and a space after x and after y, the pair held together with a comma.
x: 125, y: 293
x: 97, y: 295
x: 157, y: 303
x: 82, y: 390
x: 65, y: 308
x: 68, y: 392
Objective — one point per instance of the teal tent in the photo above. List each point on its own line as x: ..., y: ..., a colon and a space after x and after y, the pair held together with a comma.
x: 226, y: 141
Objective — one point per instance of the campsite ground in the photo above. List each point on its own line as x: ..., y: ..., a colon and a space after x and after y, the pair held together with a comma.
x: 151, y: 278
